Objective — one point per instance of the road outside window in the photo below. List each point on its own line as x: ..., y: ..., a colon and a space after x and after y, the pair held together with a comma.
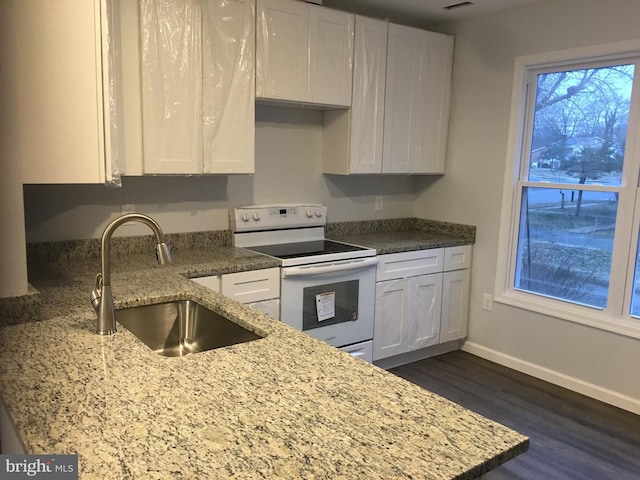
x: 575, y: 210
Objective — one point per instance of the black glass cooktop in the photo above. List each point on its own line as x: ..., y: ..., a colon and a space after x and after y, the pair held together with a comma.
x: 305, y: 249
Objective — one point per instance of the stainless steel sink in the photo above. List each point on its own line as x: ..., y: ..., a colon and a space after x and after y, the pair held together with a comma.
x: 183, y: 327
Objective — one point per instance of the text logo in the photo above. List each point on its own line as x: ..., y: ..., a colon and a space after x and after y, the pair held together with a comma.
x: 50, y: 467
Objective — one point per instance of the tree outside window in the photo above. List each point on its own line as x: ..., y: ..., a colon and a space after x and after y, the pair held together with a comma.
x: 571, y: 180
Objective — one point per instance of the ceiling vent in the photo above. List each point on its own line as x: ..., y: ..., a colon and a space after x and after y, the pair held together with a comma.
x: 453, y: 6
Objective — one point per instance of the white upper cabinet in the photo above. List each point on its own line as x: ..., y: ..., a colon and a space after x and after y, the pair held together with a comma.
x: 417, y: 100
x: 57, y: 70
x: 197, y: 74
x: 228, y: 64
x: 352, y: 141
x: 330, y: 56
x: 400, y: 106
x: 282, y: 50
x: 304, y: 53
x: 171, y: 71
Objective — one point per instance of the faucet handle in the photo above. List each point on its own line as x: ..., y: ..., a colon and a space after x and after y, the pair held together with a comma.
x: 96, y: 293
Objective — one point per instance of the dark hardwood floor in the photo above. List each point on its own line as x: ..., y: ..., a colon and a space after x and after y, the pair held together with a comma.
x: 571, y: 436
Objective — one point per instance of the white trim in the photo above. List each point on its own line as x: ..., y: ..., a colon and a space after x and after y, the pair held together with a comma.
x: 611, y: 319
x: 591, y: 317
x: 579, y: 54
x: 509, y: 203
x: 571, y: 383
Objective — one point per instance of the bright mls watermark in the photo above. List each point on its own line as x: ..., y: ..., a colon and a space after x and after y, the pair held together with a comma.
x: 50, y: 467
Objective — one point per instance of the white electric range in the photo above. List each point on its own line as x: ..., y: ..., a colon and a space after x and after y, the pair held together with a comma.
x: 327, y: 288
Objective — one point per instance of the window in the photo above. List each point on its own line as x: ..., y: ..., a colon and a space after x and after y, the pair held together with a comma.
x: 570, y: 219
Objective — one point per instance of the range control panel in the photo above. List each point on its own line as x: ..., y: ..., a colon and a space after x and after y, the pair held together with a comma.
x: 277, y: 217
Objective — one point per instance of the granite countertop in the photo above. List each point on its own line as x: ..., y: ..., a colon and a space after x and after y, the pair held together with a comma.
x: 284, y: 406
x: 394, y: 236
x: 395, y: 242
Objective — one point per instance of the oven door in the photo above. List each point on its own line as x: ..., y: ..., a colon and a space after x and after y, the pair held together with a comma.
x: 332, y: 301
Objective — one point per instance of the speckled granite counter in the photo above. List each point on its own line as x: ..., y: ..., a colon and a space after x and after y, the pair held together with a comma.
x: 284, y: 406
x: 402, y: 235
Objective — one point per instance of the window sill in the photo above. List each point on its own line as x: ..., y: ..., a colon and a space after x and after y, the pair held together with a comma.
x: 590, y: 317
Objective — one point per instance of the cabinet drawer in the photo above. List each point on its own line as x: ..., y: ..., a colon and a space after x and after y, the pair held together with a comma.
x: 212, y: 282
x: 457, y: 258
x: 251, y: 286
x: 409, y: 264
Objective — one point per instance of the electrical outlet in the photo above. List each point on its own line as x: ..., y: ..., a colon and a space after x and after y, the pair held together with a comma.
x: 378, y: 203
x: 487, y: 302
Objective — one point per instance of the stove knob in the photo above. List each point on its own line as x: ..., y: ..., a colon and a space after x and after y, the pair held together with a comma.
x: 309, y: 214
x: 245, y: 217
x: 319, y: 213
x: 256, y: 216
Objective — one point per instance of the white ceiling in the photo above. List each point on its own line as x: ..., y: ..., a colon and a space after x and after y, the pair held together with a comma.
x: 422, y: 12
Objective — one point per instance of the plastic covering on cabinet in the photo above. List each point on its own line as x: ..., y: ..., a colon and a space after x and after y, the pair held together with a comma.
x: 282, y: 50
x: 171, y: 61
x: 228, y: 59
x: 114, y: 130
x: 370, y: 62
x: 197, y: 85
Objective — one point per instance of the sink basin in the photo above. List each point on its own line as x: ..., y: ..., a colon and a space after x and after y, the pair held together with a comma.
x: 183, y: 327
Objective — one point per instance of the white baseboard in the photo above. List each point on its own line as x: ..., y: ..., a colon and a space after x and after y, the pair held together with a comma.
x: 574, y: 384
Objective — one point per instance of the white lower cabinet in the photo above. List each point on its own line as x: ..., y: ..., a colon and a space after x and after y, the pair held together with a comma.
x: 418, y: 304
x: 258, y: 289
x: 425, y: 295
x: 407, y: 314
x: 455, y: 305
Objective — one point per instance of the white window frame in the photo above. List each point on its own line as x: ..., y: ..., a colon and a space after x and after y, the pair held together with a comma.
x: 615, y: 318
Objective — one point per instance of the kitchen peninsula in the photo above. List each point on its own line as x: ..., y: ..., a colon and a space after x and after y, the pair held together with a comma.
x: 284, y: 406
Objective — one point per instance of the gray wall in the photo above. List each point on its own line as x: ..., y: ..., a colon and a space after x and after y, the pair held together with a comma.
x: 288, y: 169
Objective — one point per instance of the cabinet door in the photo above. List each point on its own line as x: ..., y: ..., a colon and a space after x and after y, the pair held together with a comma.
x: 228, y: 59
x: 455, y: 305
x: 330, y: 56
x: 433, y: 101
x: 171, y: 86
x: 417, y: 100
x: 52, y: 106
x: 402, y: 105
x: 282, y: 50
x: 425, y: 298
x: 391, y: 319
x: 367, y: 109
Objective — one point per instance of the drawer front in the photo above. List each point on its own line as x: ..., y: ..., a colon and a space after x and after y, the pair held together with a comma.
x: 212, y: 282
x: 457, y: 258
x: 409, y: 264
x: 252, y: 286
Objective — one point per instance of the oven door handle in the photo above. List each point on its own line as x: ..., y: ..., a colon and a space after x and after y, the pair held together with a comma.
x: 329, y: 268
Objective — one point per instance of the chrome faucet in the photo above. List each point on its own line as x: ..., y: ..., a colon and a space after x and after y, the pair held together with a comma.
x: 101, y: 295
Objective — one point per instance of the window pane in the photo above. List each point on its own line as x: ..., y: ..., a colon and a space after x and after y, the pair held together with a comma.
x: 580, y: 122
x: 565, y: 243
